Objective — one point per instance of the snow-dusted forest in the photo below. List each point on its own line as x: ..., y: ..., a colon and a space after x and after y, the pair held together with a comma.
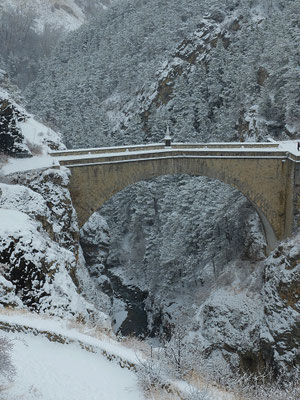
x: 177, y: 263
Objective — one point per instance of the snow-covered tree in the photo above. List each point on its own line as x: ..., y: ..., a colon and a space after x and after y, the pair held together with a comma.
x: 7, y: 369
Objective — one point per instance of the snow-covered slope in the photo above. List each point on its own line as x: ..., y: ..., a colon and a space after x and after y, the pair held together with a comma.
x: 42, y: 268
x: 22, y: 136
x: 72, y: 366
x: 58, y: 360
x: 65, y: 14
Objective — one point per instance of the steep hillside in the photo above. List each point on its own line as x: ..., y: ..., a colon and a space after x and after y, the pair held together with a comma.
x: 178, y: 255
x: 29, y: 30
x: 21, y: 135
x: 66, y: 14
x: 183, y: 251
x: 42, y: 268
x: 172, y: 67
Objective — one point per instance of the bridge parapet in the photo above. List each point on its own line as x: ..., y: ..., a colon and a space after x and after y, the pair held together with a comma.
x: 172, y: 153
x: 161, y: 146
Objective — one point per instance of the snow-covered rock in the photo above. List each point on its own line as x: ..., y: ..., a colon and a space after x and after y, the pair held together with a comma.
x: 21, y: 134
x: 7, y: 292
x: 281, y: 339
x: 41, y: 265
x: 95, y: 239
x: 21, y: 198
x: 12, y: 140
x: 51, y: 184
x: 37, y: 267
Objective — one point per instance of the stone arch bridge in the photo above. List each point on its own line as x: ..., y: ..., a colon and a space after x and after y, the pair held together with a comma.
x: 266, y: 173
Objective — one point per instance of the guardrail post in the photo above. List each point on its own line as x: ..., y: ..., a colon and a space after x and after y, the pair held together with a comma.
x: 168, y: 137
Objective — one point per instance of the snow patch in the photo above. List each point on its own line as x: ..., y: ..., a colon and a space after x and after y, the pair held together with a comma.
x: 53, y: 371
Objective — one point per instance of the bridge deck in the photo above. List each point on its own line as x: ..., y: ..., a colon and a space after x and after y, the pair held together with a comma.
x: 192, y: 150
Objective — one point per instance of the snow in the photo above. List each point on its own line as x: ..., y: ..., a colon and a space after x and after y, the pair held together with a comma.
x: 64, y: 14
x: 61, y: 327
x: 15, y: 223
x: 37, y: 133
x: 21, y: 198
x: 27, y: 164
x: 289, y: 146
x: 39, y: 138
x: 5, y: 282
x: 73, y: 365
x: 55, y: 371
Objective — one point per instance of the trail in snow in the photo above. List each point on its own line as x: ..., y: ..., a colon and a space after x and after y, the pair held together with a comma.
x: 55, y: 371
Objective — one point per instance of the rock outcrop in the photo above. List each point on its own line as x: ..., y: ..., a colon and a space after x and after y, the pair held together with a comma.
x: 281, y: 336
x: 12, y: 141
x: 41, y: 263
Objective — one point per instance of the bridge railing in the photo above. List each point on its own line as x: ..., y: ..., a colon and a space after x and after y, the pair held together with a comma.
x: 161, y: 146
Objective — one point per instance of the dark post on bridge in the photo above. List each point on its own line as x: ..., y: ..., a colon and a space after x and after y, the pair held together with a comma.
x: 168, y: 137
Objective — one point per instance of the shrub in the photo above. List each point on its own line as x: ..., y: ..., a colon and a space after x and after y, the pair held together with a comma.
x: 7, y: 369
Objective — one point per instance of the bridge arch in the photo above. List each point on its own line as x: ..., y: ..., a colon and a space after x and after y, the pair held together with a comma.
x: 91, y: 185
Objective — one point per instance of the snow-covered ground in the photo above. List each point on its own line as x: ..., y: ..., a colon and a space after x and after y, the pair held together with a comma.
x: 54, y: 371
x: 58, y: 360
x: 71, y: 332
x: 50, y: 370
x: 27, y: 164
x: 57, y: 13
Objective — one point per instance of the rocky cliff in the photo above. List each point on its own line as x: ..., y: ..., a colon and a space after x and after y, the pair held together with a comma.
x: 42, y: 267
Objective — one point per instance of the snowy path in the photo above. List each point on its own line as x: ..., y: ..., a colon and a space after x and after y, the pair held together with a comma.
x: 64, y: 369
x: 54, y: 371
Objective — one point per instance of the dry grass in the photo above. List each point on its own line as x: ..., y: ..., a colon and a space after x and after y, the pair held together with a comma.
x: 136, y: 344
x: 15, y: 311
x: 96, y: 332
x: 161, y: 394
x: 201, y: 382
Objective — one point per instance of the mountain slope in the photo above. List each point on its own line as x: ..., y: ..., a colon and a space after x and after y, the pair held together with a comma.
x: 172, y: 68
x: 185, y: 252
x: 54, y: 361
x: 215, y: 71
x: 66, y: 14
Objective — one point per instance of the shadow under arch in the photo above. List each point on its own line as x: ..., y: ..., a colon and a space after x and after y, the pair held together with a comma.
x: 91, y: 185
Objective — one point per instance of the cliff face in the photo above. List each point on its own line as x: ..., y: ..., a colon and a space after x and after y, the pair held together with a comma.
x: 42, y: 268
x: 241, y: 309
x: 282, y: 304
x: 39, y: 251
x: 12, y: 141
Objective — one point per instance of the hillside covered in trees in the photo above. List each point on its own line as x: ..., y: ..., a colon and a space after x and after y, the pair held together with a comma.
x: 178, y: 257
x: 216, y: 71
